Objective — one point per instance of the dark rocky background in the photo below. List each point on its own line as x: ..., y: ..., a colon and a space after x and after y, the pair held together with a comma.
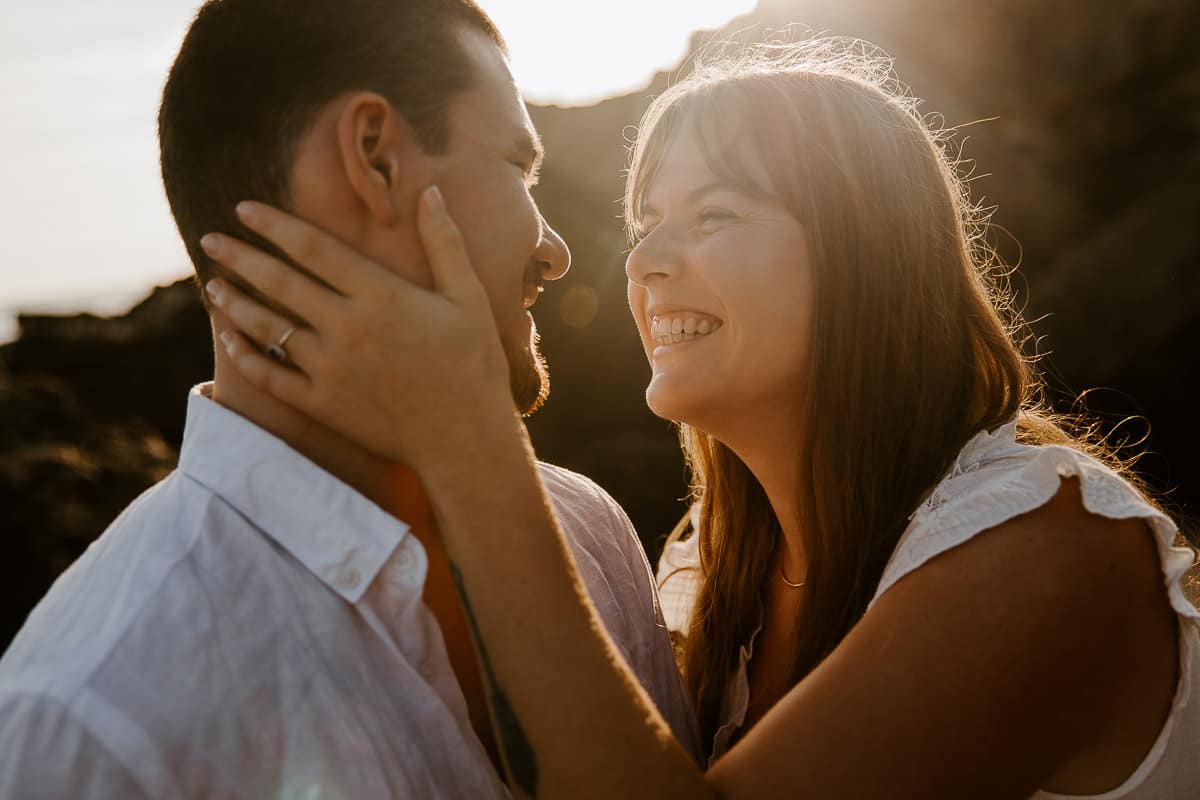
x: 1090, y: 150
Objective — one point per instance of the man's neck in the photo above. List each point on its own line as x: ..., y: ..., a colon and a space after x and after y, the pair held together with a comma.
x: 397, y: 490
x: 386, y: 483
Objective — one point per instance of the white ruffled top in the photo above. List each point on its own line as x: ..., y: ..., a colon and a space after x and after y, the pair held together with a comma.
x: 995, y: 479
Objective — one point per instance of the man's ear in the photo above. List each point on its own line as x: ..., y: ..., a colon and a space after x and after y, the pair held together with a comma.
x: 376, y: 145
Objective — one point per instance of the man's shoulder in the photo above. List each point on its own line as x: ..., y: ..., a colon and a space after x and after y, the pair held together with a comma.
x: 562, y: 483
x: 580, y: 500
x: 597, y: 528
x: 92, y: 605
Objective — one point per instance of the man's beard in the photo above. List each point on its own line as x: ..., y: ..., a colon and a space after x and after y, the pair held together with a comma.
x: 528, y: 374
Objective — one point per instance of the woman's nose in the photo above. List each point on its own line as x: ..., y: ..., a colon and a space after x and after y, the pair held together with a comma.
x: 650, y: 260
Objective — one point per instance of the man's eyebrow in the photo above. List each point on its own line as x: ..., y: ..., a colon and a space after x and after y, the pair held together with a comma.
x: 698, y: 193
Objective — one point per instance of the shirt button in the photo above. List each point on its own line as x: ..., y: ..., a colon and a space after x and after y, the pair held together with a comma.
x: 349, y: 578
x: 427, y: 670
x: 405, y: 561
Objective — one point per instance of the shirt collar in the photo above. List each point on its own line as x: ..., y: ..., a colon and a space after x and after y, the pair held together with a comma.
x: 335, y: 532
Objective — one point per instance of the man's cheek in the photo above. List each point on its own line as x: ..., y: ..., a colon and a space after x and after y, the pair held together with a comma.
x: 503, y: 307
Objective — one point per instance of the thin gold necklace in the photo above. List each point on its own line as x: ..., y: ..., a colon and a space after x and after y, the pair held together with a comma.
x: 783, y: 578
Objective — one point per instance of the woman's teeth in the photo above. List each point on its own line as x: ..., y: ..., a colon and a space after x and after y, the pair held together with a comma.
x: 669, y: 330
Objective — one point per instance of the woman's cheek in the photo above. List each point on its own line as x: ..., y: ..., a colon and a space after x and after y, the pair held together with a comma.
x: 637, y: 308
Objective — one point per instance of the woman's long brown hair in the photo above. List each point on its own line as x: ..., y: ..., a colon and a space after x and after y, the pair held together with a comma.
x: 913, y: 335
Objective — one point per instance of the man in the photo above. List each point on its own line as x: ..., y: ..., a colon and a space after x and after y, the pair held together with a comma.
x: 266, y: 622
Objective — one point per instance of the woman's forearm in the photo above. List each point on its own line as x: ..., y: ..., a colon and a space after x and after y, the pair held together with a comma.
x: 541, y: 647
x: 571, y: 719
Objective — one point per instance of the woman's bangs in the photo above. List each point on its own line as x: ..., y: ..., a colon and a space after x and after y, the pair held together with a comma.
x: 727, y: 141
x: 653, y: 139
x: 726, y: 129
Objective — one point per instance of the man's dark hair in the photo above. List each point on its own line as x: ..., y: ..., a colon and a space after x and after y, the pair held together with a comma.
x: 252, y: 75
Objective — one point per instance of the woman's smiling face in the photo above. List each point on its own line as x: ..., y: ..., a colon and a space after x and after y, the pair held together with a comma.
x: 720, y: 287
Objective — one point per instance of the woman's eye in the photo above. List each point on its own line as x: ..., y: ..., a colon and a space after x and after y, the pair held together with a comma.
x: 712, y: 216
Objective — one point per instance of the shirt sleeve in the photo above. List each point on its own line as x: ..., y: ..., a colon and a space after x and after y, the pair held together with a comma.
x: 618, y: 579
x: 46, y: 753
x: 654, y: 661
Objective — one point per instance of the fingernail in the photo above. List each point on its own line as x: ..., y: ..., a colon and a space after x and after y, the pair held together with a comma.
x: 434, y: 200
x: 245, y: 211
x: 228, y: 339
x: 211, y: 243
x: 215, y: 290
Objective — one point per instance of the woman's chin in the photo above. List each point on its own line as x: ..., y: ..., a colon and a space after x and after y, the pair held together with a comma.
x: 673, y: 402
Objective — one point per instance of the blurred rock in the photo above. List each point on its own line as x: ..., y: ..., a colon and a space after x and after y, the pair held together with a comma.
x: 65, y: 474
x: 137, y: 366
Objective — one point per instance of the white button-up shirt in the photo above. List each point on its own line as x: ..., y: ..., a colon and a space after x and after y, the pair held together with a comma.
x: 252, y: 627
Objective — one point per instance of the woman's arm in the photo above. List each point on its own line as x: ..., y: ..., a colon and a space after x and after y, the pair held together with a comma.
x: 981, y: 674
x: 559, y: 693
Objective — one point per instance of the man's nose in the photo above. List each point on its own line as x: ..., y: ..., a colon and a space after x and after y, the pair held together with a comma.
x: 552, y: 254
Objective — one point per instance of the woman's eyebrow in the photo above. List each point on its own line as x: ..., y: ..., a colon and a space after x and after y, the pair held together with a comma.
x: 713, y: 186
x: 698, y: 193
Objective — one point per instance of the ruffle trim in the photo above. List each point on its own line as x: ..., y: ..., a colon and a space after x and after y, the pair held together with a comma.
x: 1012, y: 491
x: 737, y: 700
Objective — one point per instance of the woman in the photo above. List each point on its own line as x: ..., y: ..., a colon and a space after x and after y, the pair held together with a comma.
x: 907, y: 580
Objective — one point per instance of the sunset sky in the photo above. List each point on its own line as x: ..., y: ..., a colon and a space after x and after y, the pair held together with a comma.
x: 82, y: 213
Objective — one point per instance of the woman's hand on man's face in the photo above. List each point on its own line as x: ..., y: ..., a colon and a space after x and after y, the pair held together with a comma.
x: 397, y: 369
